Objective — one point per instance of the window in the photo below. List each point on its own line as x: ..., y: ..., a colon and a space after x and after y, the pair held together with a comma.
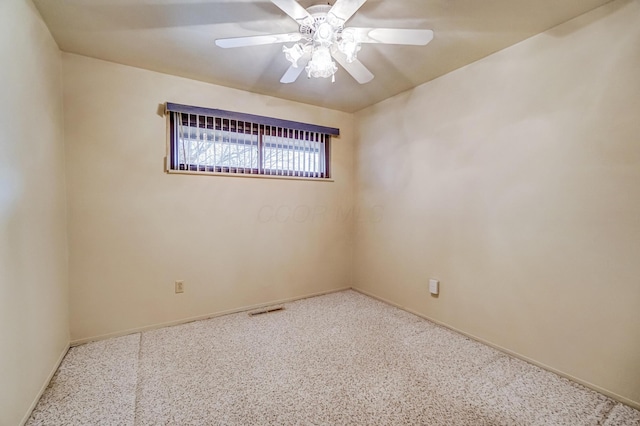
x: 209, y: 141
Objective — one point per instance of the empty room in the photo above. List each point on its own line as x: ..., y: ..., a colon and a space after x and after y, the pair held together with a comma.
x: 354, y: 212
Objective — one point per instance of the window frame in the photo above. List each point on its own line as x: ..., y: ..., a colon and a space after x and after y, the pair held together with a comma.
x: 260, y: 126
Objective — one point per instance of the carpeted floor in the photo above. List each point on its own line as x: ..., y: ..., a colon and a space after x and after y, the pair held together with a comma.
x: 342, y: 358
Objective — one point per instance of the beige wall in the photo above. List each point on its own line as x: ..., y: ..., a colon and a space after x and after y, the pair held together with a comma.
x: 516, y: 182
x: 134, y: 230
x: 34, y: 331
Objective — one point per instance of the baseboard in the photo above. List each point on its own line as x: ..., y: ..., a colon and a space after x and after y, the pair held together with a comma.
x: 200, y: 317
x: 610, y: 394
x: 44, y: 385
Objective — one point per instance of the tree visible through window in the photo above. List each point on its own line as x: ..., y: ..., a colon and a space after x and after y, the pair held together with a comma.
x: 216, y: 141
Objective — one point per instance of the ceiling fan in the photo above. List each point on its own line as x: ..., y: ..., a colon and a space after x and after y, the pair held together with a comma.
x: 322, y: 37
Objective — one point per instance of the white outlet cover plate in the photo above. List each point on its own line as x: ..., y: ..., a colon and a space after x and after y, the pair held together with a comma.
x: 434, y: 286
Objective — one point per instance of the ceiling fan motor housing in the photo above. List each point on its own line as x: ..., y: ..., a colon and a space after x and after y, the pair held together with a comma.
x: 320, y: 13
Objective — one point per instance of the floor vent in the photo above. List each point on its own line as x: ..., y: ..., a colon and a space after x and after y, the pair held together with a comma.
x: 266, y: 311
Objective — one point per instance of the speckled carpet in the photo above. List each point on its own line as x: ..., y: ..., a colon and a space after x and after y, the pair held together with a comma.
x: 342, y: 358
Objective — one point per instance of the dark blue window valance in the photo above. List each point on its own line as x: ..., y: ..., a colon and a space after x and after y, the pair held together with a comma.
x: 258, y: 119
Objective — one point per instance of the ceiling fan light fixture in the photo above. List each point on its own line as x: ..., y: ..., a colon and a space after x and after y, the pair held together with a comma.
x: 324, y: 34
x: 322, y: 37
x: 350, y: 49
x: 308, y: 21
x: 334, y: 21
x: 293, y: 53
x: 349, y: 45
x: 321, y: 64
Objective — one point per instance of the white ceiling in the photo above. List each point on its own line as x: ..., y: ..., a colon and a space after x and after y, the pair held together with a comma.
x: 177, y: 37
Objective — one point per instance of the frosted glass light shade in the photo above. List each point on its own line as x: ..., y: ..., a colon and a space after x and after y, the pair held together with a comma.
x: 321, y: 64
x: 293, y: 53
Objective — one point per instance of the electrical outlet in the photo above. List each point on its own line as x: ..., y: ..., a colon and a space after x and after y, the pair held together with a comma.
x: 434, y: 286
x: 179, y: 286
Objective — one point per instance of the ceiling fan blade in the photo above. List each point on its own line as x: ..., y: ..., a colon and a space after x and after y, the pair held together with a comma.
x: 293, y: 73
x: 356, y: 68
x: 293, y: 9
x: 257, y: 40
x: 345, y: 9
x: 392, y: 35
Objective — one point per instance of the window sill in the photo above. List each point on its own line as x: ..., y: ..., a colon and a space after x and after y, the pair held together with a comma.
x: 247, y: 175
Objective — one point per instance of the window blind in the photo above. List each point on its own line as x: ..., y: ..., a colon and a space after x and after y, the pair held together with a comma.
x: 217, y: 141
